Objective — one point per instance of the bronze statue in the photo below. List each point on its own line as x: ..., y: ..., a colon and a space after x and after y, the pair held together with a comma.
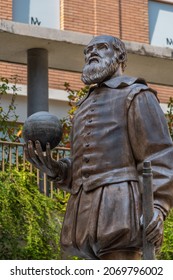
x: 117, y: 126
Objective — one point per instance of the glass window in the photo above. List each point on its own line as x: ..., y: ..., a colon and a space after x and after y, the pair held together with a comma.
x: 161, y: 24
x: 44, y: 13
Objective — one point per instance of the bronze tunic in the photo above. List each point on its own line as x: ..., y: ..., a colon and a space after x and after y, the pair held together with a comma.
x: 117, y: 126
x: 98, y: 130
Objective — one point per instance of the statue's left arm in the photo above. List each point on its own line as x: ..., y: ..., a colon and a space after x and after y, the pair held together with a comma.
x: 150, y: 140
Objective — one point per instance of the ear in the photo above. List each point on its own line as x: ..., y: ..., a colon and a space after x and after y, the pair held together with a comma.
x: 121, y: 57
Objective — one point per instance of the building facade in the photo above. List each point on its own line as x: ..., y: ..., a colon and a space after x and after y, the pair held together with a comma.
x: 139, y: 21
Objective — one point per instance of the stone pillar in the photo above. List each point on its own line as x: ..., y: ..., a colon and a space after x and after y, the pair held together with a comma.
x: 37, y: 68
x: 37, y: 80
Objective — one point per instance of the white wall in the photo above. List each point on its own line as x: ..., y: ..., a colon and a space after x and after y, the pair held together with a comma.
x: 44, y: 13
x: 161, y: 24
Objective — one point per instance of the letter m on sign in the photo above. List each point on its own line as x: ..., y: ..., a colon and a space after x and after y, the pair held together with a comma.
x: 169, y: 41
x: 35, y: 21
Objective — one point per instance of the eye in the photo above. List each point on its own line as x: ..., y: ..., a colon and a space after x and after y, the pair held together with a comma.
x: 102, y: 47
x: 87, y: 50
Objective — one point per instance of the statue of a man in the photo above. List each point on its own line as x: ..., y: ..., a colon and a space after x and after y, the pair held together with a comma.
x: 117, y: 126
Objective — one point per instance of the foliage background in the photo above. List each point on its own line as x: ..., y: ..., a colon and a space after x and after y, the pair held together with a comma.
x: 9, y: 130
x: 30, y: 222
x: 73, y: 97
x: 167, y: 247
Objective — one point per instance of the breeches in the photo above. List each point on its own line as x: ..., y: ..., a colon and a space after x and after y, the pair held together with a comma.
x: 103, y: 221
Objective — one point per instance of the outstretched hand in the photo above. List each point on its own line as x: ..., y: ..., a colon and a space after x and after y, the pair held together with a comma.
x: 154, y: 230
x: 42, y: 161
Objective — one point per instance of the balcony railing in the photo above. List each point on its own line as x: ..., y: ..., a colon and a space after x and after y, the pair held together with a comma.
x: 12, y: 155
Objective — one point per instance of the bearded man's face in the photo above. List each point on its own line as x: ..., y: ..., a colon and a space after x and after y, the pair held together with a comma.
x: 101, y: 62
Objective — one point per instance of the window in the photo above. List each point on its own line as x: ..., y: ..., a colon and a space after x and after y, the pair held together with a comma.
x: 160, y: 24
x: 44, y: 13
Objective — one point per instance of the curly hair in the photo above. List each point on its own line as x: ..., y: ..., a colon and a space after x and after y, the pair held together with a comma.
x: 119, y: 46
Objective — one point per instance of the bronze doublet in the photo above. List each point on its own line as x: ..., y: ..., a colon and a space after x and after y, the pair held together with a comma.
x: 101, y: 149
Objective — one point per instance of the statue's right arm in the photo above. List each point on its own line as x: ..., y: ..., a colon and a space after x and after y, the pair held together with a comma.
x: 58, y: 171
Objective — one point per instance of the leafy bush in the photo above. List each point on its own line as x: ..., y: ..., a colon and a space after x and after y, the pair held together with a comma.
x: 10, y: 130
x: 169, y: 116
x: 30, y: 222
x: 73, y: 97
x: 167, y: 247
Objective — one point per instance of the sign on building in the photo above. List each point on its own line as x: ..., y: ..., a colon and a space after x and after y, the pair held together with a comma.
x: 44, y: 13
x: 161, y: 24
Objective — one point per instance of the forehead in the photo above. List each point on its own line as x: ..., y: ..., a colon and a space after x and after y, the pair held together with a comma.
x: 100, y: 40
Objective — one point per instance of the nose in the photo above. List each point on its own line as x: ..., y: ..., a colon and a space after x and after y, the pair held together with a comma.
x: 94, y: 49
x: 94, y: 52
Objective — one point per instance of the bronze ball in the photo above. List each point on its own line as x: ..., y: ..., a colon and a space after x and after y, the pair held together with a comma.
x: 44, y: 127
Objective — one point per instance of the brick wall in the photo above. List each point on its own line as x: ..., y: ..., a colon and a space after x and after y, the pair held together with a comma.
x: 134, y: 20
x: 164, y: 92
x: 6, y: 9
x: 57, y: 78
x: 91, y: 16
x: 107, y: 17
x: 78, y: 15
x: 127, y: 19
x: 8, y: 70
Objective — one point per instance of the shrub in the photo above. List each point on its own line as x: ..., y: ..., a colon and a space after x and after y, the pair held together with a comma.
x: 10, y: 130
x: 169, y: 116
x: 30, y: 222
x: 167, y: 247
x: 73, y: 97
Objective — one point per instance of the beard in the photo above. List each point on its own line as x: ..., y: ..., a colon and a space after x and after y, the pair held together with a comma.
x: 97, y: 72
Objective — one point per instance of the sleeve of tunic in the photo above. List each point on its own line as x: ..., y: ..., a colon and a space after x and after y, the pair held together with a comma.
x: 150, y: 140
x: 66, y: 181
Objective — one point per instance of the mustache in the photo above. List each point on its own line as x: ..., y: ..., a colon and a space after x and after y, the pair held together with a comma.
x: 102, y: 62
x: 93, y: 56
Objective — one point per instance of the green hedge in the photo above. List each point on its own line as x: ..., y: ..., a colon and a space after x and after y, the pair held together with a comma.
x: 167, y: 247
x: 30, y: 222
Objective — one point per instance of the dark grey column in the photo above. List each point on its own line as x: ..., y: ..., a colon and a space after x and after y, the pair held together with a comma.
x: 37, y: 87
x: 37, y: 80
